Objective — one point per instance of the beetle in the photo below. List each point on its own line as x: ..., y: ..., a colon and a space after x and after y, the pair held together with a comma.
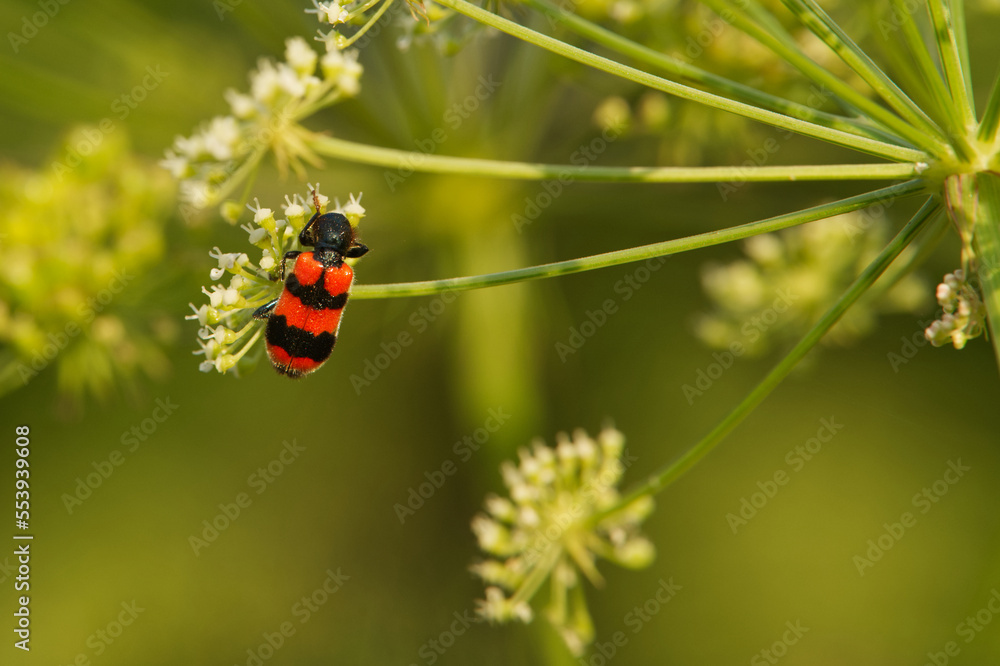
x: 302, y: 323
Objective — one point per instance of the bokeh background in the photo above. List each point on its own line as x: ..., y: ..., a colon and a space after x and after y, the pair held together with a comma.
x: 364, y: 447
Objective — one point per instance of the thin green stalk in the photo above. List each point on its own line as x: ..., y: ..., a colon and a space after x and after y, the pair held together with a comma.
x: 785, y: 47
x: 672, y: 472
x: 863, y: 144
x: 640, y: 253
x: 823, y: 26
x: 363, y: 29
x: 720, y: 84
x: 470, y: 166
x: 928, y: 70
x: 951, y: 59
x: 986, y: 227
x: 962, y: 44
x: 991, y: 116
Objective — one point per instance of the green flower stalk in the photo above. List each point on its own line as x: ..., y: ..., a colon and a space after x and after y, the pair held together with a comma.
x: 228, y: 330
x: 364, y: 12
x: 545, y: 531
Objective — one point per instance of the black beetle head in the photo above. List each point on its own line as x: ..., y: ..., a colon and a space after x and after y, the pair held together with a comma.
x: 331, y: 230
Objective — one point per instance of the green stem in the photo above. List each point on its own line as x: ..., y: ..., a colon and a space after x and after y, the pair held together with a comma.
x: 991, y: 116
x: 986, y: 227
x: 756, y: 22
x: 863, y: 144
x: 927, y: 69
x: 721, y: 84
x: 951, y: 59
x: 823, y: 26
x: 672, y: 472
x: 640, y: 253
x: 962, y: 45
x: 469, y: 166
x: 363, y: 29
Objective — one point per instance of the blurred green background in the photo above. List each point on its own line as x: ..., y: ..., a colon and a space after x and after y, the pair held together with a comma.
x: 332, y: 507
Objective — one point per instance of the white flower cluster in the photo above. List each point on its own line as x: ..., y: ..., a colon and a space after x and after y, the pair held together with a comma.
x: 789, y: 279
x: 964, y: 315
x: 560, y: 517
x: 216, y: 158
x: 228, y: 330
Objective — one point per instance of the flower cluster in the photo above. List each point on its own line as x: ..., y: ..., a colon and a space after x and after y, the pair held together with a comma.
x: 790, y: 278
x: 228, y: 330
x: 964, y: 315
x: 223, y: 153
x: 562, y: 514
x: 81, y: 249
x: 366, y: 12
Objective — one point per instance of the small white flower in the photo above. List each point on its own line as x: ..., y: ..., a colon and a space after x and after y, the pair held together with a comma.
x: 262, y: 215
x: 354, y: 211
x: 264, y: 84
x: 177, y: 165
x: 214, y: 296
x: 221, y: 137
x: 300, y: 56
x: 294, y: 209
x: 329, y: 12
x: 243, y: 106
x: 192, y: 147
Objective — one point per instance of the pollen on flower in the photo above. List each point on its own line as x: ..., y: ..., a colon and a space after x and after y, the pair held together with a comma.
x: 563, y: 513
